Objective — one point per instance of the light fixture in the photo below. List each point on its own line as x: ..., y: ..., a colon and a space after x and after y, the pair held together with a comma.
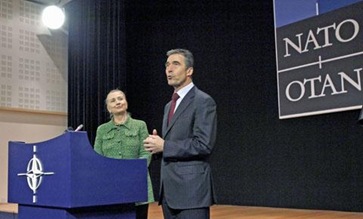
x: 53, y: 17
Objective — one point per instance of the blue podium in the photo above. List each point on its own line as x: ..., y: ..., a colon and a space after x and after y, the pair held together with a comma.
x: 65, y: 178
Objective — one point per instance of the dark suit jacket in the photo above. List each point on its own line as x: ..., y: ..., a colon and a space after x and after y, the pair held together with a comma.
x: 186, y: 180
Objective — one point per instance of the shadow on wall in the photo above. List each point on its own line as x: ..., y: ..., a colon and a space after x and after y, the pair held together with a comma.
x: 55, y: 42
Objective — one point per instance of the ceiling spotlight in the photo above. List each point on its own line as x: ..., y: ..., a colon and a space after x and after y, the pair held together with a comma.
x: 53, y: 17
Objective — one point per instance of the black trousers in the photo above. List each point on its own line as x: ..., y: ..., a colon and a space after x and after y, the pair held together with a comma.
x: 142, y: 211
x: 195, y: 213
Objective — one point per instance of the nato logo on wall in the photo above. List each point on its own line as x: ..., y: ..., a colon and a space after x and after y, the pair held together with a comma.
x: 319, y: 53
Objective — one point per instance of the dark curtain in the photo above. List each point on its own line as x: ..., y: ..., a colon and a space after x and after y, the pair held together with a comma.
x: 310, y: 162
x: 96, y: 59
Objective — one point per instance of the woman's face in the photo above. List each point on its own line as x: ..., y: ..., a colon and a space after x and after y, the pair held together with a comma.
x: 116, y: 102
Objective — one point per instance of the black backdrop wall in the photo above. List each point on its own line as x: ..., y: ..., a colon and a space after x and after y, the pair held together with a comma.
x: 311, y: 162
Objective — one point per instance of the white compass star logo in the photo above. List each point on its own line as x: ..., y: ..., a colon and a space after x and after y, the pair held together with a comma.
x: 34, y: 173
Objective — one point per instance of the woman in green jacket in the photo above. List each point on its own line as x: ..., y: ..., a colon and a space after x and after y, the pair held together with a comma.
x: 122, y: 138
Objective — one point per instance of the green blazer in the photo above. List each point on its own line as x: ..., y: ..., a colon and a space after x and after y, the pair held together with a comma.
x: 124, y: 141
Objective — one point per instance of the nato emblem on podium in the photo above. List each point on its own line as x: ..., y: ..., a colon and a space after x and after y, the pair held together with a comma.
x: 34, y: 173
x: 65, y: 178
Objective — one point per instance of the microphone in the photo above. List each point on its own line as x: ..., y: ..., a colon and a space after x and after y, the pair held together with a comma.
x: 79, y: 128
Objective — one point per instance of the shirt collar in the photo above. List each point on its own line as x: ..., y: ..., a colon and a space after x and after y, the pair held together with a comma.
x: 126, y: 124
x: 182, y: 92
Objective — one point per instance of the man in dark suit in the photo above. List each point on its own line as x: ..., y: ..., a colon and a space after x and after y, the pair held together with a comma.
x: 186, y: 190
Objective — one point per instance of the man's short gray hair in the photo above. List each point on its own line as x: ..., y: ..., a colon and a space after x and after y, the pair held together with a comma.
x: 189, y: 59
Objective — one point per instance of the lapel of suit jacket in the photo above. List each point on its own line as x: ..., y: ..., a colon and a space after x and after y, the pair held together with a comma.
x: 187, y: 100
x: 165, y: 118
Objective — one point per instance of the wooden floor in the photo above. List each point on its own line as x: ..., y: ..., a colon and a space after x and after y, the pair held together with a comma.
x: 244, y: 212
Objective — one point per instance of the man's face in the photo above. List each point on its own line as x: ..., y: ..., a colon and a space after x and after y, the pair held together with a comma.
x: 177, y: 74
